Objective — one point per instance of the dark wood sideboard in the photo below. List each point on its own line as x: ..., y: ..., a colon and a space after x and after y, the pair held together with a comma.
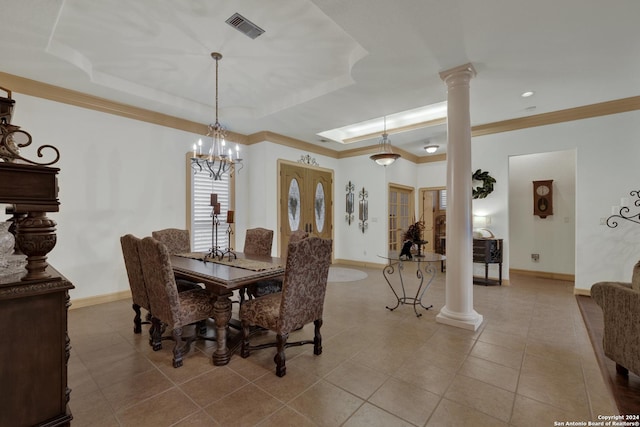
x: 33, y: 306
x: 488, y: 251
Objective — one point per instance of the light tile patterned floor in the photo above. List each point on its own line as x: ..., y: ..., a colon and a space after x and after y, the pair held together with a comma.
x: 529, y: 364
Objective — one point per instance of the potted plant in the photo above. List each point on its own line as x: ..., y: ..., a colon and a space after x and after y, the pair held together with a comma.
x: 414, y: 235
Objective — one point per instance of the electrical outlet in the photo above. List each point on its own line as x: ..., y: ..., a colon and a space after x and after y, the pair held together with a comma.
x: 535, y: 257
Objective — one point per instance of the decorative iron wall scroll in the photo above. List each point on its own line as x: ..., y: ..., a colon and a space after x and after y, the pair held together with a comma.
x: 349, y: 200
x: 363, y: 210
x: 623, y: 211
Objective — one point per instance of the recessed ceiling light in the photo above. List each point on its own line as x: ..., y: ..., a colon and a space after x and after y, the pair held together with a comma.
x: 526, y: 94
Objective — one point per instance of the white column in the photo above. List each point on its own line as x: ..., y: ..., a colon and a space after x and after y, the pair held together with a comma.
x: 458, y: 310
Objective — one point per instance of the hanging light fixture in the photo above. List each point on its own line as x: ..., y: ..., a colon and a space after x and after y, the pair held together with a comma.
x: 431, y: 148
x: 385, y: 155
x: 219, y: 159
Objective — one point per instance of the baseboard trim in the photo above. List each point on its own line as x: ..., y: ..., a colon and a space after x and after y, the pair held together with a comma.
x: 99, y: 299
x: 582, y: 292
x: 544, y: 274
x: 363, y: 264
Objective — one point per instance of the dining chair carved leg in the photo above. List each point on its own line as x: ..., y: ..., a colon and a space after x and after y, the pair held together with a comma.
x: 317, y: 339
x: 137, y: 319
x: 151, y: 329
x: 621, y: 370
x: 244, y: 347
x: 179, y: 348
x: 202, y: 327
x: 280, y: 358
x: 156, y: 334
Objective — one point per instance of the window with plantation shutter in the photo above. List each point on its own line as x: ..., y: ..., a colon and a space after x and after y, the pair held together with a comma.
x: 443, y: 200
x: 202, y: 186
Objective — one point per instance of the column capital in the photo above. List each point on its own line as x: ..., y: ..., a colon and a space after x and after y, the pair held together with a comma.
x: 466, y: 71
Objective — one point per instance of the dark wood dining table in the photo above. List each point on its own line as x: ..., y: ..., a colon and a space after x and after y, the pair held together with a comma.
x: 221, y: 280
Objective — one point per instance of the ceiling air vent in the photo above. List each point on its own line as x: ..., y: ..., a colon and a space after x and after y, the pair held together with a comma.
x: 245, y: 26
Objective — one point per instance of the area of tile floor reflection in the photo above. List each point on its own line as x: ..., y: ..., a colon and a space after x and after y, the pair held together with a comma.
x: 529, y: 364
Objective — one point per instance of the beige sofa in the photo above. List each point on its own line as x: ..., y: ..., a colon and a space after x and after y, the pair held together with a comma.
x: 620, y: 303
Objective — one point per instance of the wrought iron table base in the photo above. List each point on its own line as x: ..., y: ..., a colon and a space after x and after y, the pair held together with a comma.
x: 429, y: 271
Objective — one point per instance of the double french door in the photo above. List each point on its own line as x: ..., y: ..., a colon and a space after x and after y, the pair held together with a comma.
x: 400, y: 214
x: 306, y: 202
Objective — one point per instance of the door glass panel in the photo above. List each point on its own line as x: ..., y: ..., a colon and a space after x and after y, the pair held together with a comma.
x: 294, y: 205
x: 400, y: 216
x: 393, y: 221
x: 319, y: 207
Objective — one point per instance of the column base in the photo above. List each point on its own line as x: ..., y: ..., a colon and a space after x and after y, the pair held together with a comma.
x: 470, y: 321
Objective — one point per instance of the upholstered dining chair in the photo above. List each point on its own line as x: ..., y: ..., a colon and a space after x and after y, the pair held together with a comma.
x: 297, y: 235
x: 170, y: 308
x: 300, y: 302
x: 129, y: 244
x: 265, y: 287
x: 258, y: 241
x: 175, y: 239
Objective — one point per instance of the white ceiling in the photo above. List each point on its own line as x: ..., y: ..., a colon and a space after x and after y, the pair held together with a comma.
x: 323, y: 64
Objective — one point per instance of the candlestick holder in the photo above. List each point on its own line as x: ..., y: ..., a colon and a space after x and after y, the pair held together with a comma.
x: 229, y: 251
x: 215, y: 250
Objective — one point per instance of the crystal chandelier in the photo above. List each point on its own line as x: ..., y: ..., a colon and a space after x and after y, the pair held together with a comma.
x: 385, y: 155
x: 219, y: 159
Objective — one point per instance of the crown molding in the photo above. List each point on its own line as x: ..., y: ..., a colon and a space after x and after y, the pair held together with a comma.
x: 58, y: 94
x: 276, y: 138
x: 567, y: 115
x: 67, y: 96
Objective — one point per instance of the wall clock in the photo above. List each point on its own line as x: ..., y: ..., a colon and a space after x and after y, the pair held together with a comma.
x: 543, y: 198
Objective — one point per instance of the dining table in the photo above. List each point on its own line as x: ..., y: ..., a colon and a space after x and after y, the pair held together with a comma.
x: 221, y: 277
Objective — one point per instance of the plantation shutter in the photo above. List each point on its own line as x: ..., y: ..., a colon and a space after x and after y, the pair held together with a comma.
x: 202, y: 186
x: 443, y: 200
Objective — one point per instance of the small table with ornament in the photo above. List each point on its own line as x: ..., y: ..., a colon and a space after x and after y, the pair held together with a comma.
x: 423, y: 268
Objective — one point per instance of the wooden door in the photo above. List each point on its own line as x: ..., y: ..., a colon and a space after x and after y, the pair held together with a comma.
x: 400, y: 213
x: 433, y: 210
x: 426, y: 215
x: 306, y: 202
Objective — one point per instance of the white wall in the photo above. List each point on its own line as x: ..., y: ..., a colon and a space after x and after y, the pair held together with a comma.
x: 121, y: 176
x: 553, y: 237
x: 117, y: 176
x: 351, y: 242
x: 606, y: 170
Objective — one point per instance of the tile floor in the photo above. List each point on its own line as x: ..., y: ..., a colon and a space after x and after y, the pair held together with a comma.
x: 529, y: 364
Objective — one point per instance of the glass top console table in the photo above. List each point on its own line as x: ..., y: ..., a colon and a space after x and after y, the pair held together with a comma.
x: 425, y: 266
